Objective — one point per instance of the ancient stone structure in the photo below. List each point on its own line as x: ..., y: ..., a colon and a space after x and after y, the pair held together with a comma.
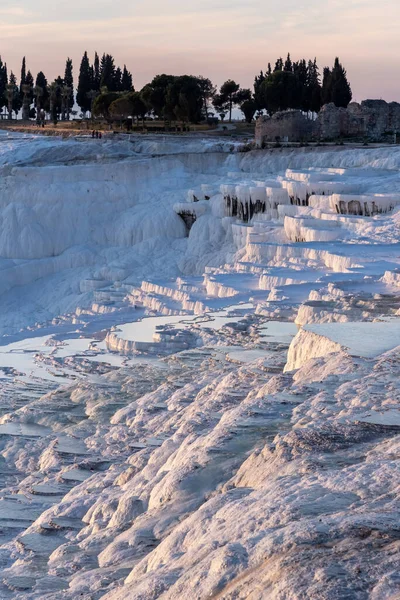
x: 374, y: 120
x: 288, y: 125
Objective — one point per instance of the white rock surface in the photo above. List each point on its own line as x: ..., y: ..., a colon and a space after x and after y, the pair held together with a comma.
x: 245, y: 463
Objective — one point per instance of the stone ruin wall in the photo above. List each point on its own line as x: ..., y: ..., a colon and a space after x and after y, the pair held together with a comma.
x: 375, y: 120
x: 289, y: 125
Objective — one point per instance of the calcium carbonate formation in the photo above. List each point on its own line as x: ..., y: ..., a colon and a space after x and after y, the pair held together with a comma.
x: 200, y: 369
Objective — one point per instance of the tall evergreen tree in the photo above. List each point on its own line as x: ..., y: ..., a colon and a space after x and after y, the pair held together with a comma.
x: 22, y: 81
x: 117, y: 80
x: 26, y: 91
x: 288, y: 66
x: 314, y: 87
x: 69, y: 83
x: 107, y: 70
x: 326, y: 94
x: 281, y: 91
x: 126, y: 81
x: 341, y: 90
x: 301, y: 72
x: 96, y: 72
x: 258, y: 96
x: 30, y: 81
x: 3, y: 84
x: 14, y: 98
x: 85, y: 83
x: 278, y: 65
x: 41, y: 82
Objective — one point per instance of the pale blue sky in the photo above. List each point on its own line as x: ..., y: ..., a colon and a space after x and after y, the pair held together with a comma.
x: 220, y: 39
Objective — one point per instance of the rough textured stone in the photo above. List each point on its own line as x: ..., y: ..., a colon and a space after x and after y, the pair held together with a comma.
x: 289, y: 125
x: 373, y: 119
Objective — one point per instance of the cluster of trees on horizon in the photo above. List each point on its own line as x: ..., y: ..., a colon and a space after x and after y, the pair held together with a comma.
x: 106, y: 90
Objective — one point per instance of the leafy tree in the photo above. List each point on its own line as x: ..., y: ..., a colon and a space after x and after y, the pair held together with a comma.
x: 220, y: 105
x: 128, y: 105
x: 184, y: 99
x: 126, y: 81
x: 154, y: 94
x: 208, y: 91
x: 120, y: 108
x: 146, y: 95
x: 68, y: 84
x: 85, y: 84
x: 139, y: 108
x: 228, y: 97
x: 248, y: 108
x: 281, y: 91
x: 92, y: 95
x: 102, y: 103
x: 341, y: 90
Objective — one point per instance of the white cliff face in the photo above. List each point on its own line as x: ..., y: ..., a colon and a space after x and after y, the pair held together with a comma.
x: 203, y: 411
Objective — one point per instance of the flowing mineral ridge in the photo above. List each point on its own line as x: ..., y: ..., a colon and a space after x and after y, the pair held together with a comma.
x: 200, y: 367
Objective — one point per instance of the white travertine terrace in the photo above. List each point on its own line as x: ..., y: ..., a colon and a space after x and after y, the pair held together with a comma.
x: 200, y: 370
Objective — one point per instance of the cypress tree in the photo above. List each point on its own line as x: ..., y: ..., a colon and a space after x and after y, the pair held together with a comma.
x: 258, y: 96
x: 117, y: 85
x: 278, y: 65
x: 41, y: 82
x: 107, y: 70
x: 301, y: 73
x: 23, y: 79
x: 3, y: 84
x: 69, y: 82
x: 126, y: 81
x: 341, y: 90
x: 288, y: 64
x: 84, y: 84
x: 326, y: 94
x: 314, y: 84
x: 29, y: 79
x: 16, y: 101
x: 5, y: 80
x: 31, y: 82
x: 96, y: 72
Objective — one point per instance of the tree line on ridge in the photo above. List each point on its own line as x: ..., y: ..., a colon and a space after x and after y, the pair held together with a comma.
x: 106, y: 90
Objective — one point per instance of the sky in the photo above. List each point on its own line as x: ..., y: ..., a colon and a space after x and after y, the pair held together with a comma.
x: 220, y: 39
